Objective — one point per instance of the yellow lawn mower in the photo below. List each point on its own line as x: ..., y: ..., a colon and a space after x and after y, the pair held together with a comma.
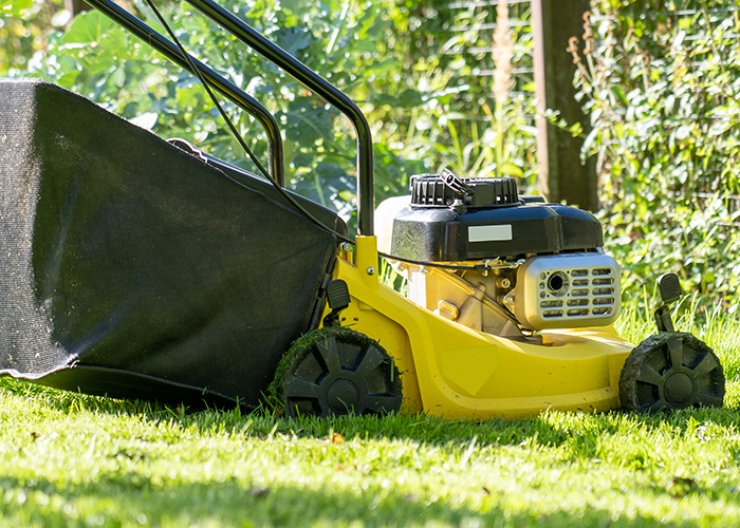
x: 136, y: 267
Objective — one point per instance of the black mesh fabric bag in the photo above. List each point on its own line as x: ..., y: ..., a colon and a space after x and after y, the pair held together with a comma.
x: 133, y: 269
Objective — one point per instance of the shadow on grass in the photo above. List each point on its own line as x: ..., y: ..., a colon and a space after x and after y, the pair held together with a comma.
x: 550, y: 429
x: 130, y: 499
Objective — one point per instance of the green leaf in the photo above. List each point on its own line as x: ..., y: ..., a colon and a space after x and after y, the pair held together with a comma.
x: 620, y: 93
x: 297, y: 7
x: 528, y: 130
x: 67, y: 80
x: 14, y: 8
x: 118, y: 77
x: 292, y: 39
x: 383, y: 66
x: 384, y: 99
x: 364, y: 46
x: 98, y: 65
x: 306, y: 124
x: 88, y: 28
x: 303, y: 159
x: 329, y: 171
x: 410, y: 98
x: 511, y: 170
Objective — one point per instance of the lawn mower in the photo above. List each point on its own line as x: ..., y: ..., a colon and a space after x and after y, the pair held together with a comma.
x: 135, y: 267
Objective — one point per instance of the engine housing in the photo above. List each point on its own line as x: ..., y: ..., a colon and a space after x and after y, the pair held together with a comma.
x: 440, y: 226
x: 536, y: 266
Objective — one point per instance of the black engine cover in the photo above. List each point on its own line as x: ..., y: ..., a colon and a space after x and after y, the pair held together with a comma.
x: 447, y: 234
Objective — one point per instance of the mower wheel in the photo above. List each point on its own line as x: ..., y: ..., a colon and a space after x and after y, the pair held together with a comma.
x: 671, y: 371
x: 336, y: 371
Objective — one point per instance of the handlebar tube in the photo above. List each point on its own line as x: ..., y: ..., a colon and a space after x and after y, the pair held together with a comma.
x: 172, y: 52
x: 318, y: 85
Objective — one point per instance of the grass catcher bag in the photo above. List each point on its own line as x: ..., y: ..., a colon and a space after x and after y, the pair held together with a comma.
x: 131, y: 268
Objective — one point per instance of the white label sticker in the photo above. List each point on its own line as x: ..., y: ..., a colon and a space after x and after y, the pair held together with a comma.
x: 495, y: 233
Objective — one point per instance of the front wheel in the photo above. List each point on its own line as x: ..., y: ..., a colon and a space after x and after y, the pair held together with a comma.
x: 671, y: 371
x: 335, y: 371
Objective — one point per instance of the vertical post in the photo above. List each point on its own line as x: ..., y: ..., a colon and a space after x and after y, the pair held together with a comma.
x: 562, y: 176
x: 76, y: 7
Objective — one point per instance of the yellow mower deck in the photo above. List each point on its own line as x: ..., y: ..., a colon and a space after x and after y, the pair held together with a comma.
x: 452, y: 371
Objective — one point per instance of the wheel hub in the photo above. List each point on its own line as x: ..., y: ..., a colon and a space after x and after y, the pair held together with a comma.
x: 679, y: 388
x: 342, y: 396
x: 671, y: 371
x: 334, y: 371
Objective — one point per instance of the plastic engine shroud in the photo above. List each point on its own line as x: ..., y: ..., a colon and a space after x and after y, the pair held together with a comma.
x: 448, y: 230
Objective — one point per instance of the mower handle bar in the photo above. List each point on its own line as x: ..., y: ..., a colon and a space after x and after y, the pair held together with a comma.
x: 172, y: 52
x: 317, y: 84
x: 285, y: 61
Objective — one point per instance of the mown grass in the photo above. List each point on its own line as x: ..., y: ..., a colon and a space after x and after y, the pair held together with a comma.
x: 74, y: 460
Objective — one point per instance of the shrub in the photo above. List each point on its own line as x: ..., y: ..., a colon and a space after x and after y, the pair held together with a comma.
x: 658, y: 80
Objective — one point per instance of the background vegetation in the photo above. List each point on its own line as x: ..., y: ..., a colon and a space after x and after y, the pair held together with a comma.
x: 388, y: 55
x: 660, y: 81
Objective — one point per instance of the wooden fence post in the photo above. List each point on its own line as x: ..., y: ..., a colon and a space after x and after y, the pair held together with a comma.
x: 76, y: 7
x: 562, y: 177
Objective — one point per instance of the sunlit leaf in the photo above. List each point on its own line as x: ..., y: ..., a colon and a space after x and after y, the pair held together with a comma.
x: 511, y: 170
x: 292, y: 39
x: 306, y: 124
x: 14, y: 8
x: 88, y: 28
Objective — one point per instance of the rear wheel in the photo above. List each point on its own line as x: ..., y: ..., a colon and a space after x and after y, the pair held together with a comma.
x: 671, y: 371
x: 336, y: 371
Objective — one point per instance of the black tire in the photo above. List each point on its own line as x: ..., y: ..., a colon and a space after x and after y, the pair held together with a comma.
x: 337, y: 371
x: 671, y: 371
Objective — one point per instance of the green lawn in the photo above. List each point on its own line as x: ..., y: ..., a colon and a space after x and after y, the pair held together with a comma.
x: 72, y: 460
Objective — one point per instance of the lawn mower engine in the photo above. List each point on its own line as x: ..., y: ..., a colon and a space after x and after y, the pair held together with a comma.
x: 509, y: 265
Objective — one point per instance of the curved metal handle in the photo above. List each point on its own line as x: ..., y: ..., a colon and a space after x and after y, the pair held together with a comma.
x: 317, y: 84
x: 172, y: 52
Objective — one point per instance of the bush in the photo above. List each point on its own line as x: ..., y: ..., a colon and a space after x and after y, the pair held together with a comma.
x: 660, y: 90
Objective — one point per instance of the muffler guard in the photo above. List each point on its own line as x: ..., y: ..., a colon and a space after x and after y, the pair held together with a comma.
x: 133, y: 269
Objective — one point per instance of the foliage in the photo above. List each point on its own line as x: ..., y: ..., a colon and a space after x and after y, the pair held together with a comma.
x: 490, y: 118
x: 383, y: 54
x: 660, y: 84
x: 24, y: 28
x: 658, y: 87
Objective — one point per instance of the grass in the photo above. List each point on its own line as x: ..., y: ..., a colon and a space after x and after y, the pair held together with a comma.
x: 74, y: 460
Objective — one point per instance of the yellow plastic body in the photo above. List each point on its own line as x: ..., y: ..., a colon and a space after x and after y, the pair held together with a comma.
x: 451, y: 371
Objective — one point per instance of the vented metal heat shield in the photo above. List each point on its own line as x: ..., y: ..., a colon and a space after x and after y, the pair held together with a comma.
x: 568, y: 291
